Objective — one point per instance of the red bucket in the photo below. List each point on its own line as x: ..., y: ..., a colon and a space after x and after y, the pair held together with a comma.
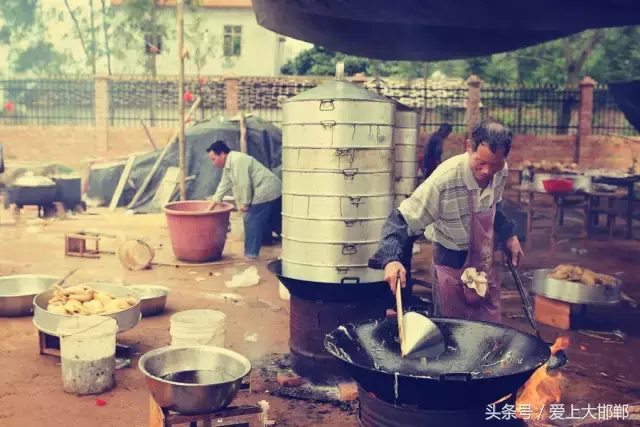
x: 558, y: 185
x: 197, y: 235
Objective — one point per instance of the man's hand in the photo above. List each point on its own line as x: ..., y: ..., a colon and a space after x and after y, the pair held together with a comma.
x: 244, y: 208
x: 391, y: 272
x: 514, y: 248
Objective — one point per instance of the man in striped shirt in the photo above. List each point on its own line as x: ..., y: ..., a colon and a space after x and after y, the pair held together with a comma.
x: 460, y: 207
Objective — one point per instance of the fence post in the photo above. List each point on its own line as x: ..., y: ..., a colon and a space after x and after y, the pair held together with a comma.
x: 101, y: 110
x: 585, y: 113
x: 231, y: 95
x: 473, y: 102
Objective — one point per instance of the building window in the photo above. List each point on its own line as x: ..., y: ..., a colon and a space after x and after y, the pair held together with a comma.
x: 232, y: 40
x: 151, y: 45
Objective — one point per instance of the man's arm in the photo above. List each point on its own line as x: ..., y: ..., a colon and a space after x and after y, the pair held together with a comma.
x: 502, y: 225
x: 224, y: 186
x: 413, y: 216
x: 241, y: 169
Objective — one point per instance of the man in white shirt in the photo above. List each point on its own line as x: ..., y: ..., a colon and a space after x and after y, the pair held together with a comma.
x: 460, y: 203
x: 257, y: 192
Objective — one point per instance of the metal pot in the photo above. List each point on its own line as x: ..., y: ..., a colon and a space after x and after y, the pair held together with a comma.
x: 331, y: 134
x: 406, y: 169
x: 48, y: 322
x: 153, y: 298
x: 346, y: 182
x: 405, y: 186
x: 336, y: 207
x: 310, y: 159
x: 17, y: 293
x: 406, y: 117
x: 341, y: 101
x: 573, y: 292
x: 222, y: 373
x: 330, y: 274
x: 331, y: 230
x: 406, y: 153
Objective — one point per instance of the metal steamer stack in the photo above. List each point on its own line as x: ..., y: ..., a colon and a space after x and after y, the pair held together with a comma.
x: 405, y: 139
x: 337, y: 191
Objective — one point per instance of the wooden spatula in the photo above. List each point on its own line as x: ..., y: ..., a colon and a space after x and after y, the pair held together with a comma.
x: 400, y: 316
x: 62, y: 280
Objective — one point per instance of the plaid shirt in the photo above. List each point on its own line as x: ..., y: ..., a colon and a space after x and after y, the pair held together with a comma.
x: 440, y: 207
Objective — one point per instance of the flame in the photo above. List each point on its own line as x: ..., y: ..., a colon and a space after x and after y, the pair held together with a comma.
x: 542, y: 389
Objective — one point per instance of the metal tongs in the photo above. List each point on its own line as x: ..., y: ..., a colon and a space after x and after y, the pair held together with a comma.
x: 557, y: 360
x: 416, y: 331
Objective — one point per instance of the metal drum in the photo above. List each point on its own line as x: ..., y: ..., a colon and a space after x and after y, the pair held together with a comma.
x: 405, y: 141
x: 337, y: 182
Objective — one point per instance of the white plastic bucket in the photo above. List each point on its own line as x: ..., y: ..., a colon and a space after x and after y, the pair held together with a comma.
x: 284, y: 292
x: 88, y: 352
x: 198, y: 327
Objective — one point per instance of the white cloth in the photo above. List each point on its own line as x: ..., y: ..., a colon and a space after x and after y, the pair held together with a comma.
x: 439, y: 207
x: 249, y: 180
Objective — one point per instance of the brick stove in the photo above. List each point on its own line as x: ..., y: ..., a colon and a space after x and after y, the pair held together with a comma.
x: 375, y: 412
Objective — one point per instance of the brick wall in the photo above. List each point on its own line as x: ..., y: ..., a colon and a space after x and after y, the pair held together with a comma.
x: 69, y: 145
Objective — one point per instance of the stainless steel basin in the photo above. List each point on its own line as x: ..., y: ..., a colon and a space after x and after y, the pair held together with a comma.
x: 153, y: 298
x: 221, y: 377
x: 48, y: 322
x: 17, y: 293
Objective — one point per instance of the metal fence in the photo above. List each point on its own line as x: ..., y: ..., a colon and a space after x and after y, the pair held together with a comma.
x: 71, y: 101
x: 265, y: 97
x: 607, y: 118
x: 42, y: 102
x: 538, y: 110
x: 156, y: 102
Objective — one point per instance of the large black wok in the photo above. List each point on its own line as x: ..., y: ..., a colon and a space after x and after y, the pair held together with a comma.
x: 478, y: 364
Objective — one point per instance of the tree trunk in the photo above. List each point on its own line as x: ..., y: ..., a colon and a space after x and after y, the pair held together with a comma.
x: 93, y: 38
x: 154, y: 70
x: 105, y: 29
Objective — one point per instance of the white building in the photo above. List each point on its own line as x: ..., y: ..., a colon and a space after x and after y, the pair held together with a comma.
x: 222, y: 35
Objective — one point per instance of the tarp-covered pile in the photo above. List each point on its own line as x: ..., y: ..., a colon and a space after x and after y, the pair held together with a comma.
x: 264, y: 142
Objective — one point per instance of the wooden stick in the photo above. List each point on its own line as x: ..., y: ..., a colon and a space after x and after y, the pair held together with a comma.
x: 400, y: 315
x: 123, y: 181
x: 181, y: 152
x: 153, y: 144
x: 243, y: 134
x: 62, y: 280
x: 156, y: 165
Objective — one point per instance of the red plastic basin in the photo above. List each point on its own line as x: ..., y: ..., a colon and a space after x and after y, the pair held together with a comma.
x: 197, y: 235
x: 558, y: 185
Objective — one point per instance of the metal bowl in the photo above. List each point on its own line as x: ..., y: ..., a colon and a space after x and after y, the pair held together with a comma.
x: 153, y: 298
x: 220, y: 372
x: 17, y: 293
x: 48, y: 322
x: 574, y: 292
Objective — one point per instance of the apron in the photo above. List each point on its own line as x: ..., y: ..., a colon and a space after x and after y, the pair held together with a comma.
x: 452, y: 298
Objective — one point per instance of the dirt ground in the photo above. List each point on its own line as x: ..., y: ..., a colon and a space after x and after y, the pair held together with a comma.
x: 30, y: 385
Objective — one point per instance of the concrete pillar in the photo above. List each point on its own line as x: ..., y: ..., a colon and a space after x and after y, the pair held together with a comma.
x: 101, y: 111
x: 231, y: 95
x: 473, y: 103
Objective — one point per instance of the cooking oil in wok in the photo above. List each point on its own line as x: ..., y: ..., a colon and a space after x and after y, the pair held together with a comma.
x: 199, y: 376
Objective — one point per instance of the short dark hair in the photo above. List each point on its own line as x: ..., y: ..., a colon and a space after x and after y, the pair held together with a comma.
x: 218, y: 148
x: 445, y: 127
x: 493, y: 133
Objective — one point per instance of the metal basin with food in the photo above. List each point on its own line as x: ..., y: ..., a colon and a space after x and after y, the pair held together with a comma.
x: 17, y: 293
x: 47, y: 322
x: 575, y: 292
x: 153, y: 298
x: 194, y: 380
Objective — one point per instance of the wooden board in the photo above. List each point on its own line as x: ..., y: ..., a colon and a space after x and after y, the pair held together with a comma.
x: 124, y: 177
x: 166, y: 188
x: 553, y: 313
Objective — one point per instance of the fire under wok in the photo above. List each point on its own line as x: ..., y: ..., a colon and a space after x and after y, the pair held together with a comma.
x: 477, y: 364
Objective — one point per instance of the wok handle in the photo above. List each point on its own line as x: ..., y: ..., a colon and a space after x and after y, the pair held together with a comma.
x: 456, y: 376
